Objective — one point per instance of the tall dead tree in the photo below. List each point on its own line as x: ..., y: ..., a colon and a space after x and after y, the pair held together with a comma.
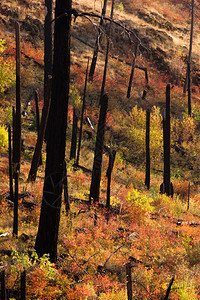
x: 132, y: 71
x: 37, y: 153
x: 17, y: 118
x: 47, y: 235
x: 3, y: 285
x: 108, y: 175
x: 82, y: 112
x: 190, y: 48
x: 96, y: 171
x: 147, y: 176
x: 166, y: 186
x: 17, y: 128
x: 47, y: 44
x: 129, y: 281
x: 37, y: 118
x: 10, y: 163
x: 107, y: 51
x: 74, y: 135
x: 96, y: 49
x: 189, y: 61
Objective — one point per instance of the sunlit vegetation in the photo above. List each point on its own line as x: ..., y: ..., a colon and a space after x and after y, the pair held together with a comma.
x: 158, y: 234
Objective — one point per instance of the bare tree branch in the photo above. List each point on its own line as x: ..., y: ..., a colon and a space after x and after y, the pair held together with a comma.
x: 88, y: 15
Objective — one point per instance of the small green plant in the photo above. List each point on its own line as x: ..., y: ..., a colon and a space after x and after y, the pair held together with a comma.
x: 120, y: 6
x: 75, y: 98
x: 7, y: 75
x: 2, y: 45
x: 141, y: 200
x: 3, y: 137
x: 185, y: 290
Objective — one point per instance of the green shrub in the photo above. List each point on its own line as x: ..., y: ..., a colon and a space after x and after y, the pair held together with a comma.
x: 137, y: 133
x: 141, y: 200
x: 120, y: 6
x: 3, y: 137
x: 7, y: 67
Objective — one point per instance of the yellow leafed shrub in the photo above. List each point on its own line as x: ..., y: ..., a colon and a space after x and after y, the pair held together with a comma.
x: 3, y: 137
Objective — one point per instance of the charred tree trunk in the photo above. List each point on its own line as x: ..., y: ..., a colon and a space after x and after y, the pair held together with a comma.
x: 190, y: 50
x: 189, y: 91
x: 132, y: 72
x: 108, y: 175
x: 47, y: 236
x: 169, y: 288
x: 96, y: 172
x: 16, y: 198
x: 10, y: 163
x: 65, y: 187
x: 3, y: 286
x: 82, y: 113
x: 74, y: 136
x: 107, y: 51
x: 37, y: 153
x: 47, y: 45
x: 17, y: 118
x: 147, y: 177
x: 23, y: 285
x: 37, y: 118
x: 96, y: 50
x: 167, y: 187
x: 129, y: 281
x: 17, y: 129
x: 48, y: 50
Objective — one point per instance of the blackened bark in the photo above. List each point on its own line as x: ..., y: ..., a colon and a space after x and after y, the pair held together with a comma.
x: 37, y: 118
x: 74, y: 136
x: 23, y: 285
x: 16, y: 198
x: 96, y: 172
x: 132, y: 72
x: 96, y: 50
x: 129, y: 281
x: 147, y: 177
x: 82, y: 112
x: 189, y: 91
x: 108, y: 175
x: 3, y: 286
x: 166, y: 133
x: 107, y: 51
x: 48, y: 54
x: 188, y: 200
x: 10, y: 162
x: 17, y: 125
x: 47, y: 44
x: 37, y: 153
x: 169, y: 288
x: 65, y: 187
x: 190, y: 50
x: 47, y: 236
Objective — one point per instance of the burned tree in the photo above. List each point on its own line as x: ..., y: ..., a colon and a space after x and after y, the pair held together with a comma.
x: 107, y: 51
x: 82, y: 112
x: 147, y: 176
x: 96, y: 172
x: 132, y: 71
x: 17, y: 128
x: 47, y: 236
x: 166, y: 186
x: 96, y: 50
x: 37, y: 153
x: 74, y: 135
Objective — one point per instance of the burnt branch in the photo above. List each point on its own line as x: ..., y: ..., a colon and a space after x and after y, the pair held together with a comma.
x: 88, y: 16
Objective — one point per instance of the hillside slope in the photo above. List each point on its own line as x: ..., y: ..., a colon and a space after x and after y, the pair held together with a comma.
x: 157, y: 235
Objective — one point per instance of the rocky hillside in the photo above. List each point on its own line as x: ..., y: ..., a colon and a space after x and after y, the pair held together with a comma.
x: 163, y: 28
